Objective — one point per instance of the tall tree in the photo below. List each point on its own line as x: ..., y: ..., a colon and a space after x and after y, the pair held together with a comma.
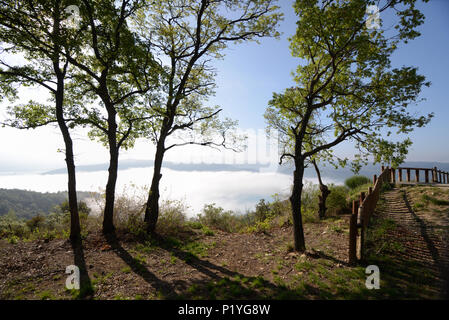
x: 117, y: 69
x: 346, y: 88
x: 187, y: 35
x: 38, y: 30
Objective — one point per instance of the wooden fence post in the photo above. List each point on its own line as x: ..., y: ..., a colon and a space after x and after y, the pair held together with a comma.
x: 417, y: 175
x: 427, y: 175
x: 361, y: 237
x: 400, y: 174
x: 408, y: 175
x: 374, y: 180
x: 353, y: 233
x: 393, y: 175
x: 439, y: 176
x: 434, y: 174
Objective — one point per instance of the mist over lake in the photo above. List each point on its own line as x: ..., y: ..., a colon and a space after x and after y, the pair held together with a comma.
x: 232, y: 190
x: 233, y: 187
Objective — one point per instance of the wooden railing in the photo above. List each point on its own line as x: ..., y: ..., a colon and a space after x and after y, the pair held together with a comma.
x: 362, y: 210
x: 430, y: 175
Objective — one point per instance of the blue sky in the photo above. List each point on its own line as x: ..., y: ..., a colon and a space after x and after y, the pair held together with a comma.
x: 250, y: 73
x: 247, y: 77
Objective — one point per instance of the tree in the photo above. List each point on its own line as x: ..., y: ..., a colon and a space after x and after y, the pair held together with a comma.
x: 346, y: 89
x: 37, y: 30
x: 118, y: 69
x: 187, y: 35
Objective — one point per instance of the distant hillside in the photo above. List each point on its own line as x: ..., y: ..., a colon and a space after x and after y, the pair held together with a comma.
x: 30, y: 203
x: 328, y: 171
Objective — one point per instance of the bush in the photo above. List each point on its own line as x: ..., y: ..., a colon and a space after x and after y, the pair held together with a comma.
x: 355, y: 181
x: 217, y: 217
x: 12, y: 226
x: 172, y: 217
x: 262, y: 210
x: 35, y: 222
x: 354, y: 194
x: 309, y: 215
x: 336, y: 201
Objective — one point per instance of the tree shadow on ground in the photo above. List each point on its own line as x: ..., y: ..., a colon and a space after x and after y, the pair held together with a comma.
x: 216, y: 282
x: 442, y: 265
x: 162, y: 287
x: 321, y: 255
x: 86, y: 290
x: 402, y: 276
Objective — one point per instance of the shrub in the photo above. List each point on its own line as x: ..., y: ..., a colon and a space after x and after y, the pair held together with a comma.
x: 309, y: 198
x: 35, y: 222
x: 279, y: 207
x: 336, y: 202
x: 172, y: 216
x: 309, y: 215
x: 262, y: 210
x: 217, y: 217
x: 354, y: 194
x: 355, y: 181
x: 12, y: 226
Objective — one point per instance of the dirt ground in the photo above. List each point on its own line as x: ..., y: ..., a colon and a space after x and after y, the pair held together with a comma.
x: 124, y: 268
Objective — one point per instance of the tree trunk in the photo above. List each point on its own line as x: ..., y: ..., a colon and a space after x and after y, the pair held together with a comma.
x: 108, y: 218
x: 75, y: 228
x: 324, y: 193
x: 152, y: 207
x: 295, y: 200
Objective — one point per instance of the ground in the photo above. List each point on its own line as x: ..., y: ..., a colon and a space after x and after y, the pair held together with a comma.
x: 410, y: 241
x: 200, y: 264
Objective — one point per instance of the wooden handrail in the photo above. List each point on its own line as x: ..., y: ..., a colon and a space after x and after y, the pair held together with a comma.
x: 363, y: 209
x: 431, y: 175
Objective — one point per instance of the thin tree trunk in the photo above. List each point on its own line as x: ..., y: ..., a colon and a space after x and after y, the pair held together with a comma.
x: 295, y: 200
x: 108, y: 218
x: 324, y: 193
x: 75, y: 228
x: 152, y: 207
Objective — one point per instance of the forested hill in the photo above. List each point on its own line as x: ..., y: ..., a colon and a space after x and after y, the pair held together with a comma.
x: 30, y: 203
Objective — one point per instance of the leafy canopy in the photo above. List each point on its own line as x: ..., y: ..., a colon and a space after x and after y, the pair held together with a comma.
x: 347, y: 88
